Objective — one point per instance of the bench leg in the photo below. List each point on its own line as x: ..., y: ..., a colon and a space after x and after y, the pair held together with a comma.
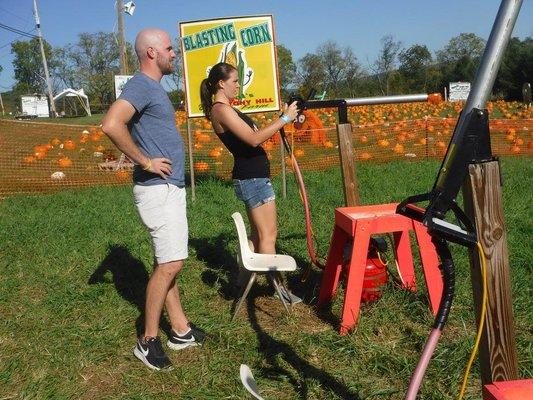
x: 355, y: 276
x: 332, y: 270
x: 404, y: 257
x: 430, y: 264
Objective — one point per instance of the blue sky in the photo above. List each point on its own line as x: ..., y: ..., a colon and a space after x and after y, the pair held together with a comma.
x: 300, y: 25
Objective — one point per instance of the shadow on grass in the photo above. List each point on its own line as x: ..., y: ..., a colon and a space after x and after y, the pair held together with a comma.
x: 272, y: 349
x: 223, y: 270
x: 130, y: 279
x: 221, y: 263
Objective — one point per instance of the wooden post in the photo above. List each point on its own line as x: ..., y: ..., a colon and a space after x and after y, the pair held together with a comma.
x: 483, y: 204
x: 191, y: 160
x: 1, y: 104
x: 344, y: 135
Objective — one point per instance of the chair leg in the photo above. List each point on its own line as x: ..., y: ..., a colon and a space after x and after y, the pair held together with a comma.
x: 276, y: 284
x: 282, y: 284
x: 243, y: 297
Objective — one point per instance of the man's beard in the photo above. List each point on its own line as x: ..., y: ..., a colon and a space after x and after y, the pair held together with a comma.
x: 166, y: 67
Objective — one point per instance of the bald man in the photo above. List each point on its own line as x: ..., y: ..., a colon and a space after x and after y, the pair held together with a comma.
x: 141, y: 124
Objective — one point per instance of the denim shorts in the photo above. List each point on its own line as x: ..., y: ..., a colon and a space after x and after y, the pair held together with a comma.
x: 254, y: 192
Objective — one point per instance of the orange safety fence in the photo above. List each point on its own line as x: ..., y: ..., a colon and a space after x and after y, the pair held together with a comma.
x: 42, y: 157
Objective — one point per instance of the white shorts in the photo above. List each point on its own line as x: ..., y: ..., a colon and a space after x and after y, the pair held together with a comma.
x: 163, y: 210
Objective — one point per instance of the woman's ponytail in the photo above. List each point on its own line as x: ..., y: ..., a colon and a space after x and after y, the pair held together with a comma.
x: 206, y: 97
x: 208, y: 87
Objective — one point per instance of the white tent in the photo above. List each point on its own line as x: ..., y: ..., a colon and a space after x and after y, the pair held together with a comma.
x: 70, y: 99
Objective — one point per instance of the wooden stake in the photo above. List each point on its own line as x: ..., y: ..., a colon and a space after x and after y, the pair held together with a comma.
x: 483, y: 204
x: 351, y: 194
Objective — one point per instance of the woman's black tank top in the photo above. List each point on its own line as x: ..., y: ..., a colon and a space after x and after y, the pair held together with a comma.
x: 249, y: 162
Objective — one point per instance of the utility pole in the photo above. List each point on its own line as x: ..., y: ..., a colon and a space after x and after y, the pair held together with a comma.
x: 1, y: 104
x: 121, y: 38
x: 43, y: 55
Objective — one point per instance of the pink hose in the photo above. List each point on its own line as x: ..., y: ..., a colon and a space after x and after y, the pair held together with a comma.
x: 308, y: 229
x: 420, y: 370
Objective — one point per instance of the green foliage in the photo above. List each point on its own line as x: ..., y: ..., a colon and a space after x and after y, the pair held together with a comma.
x: 385, y: 66
x: 516, y: 69
x: 176, y: 97
x: 414, y: 66
x: 286, y: 68
x: 311, y: 73
x: 28, y: 65
x: 91, y: 63
x: 460, y: 58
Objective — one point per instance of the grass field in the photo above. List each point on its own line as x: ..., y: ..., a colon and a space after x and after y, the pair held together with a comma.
x: 75, y: 264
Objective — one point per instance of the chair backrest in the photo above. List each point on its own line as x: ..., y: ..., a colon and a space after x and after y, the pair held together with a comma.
x: 243, y: 238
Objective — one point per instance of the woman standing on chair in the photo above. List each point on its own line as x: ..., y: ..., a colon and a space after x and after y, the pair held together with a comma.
x: 251, y: 168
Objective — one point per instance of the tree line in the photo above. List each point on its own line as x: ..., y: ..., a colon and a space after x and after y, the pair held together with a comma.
x: 93, y: 60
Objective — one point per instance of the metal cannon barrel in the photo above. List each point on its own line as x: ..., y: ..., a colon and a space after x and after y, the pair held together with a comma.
x: 403, y: 98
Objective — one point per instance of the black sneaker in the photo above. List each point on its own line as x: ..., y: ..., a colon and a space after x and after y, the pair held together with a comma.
x: 194, y: 337
x: 151, y: 353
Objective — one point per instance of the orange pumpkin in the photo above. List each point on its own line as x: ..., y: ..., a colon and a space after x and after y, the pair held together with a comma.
x: 203, y: 138
x: 201, y: 166
x: 383, y: 143
x: 215, y: 153
x: 64, y: 162
x: 298, y: 153
x: 328, y: 144
x: 515, y: 149
x: 122, y: 175
x: 69, y: 144
x: 40, y: 155
x: 365, y: 156
x: 40, y: 149
x: 398, y: 148
x: 29, y: 160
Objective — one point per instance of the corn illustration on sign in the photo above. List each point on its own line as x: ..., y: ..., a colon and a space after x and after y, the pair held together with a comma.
x: 247, y: 43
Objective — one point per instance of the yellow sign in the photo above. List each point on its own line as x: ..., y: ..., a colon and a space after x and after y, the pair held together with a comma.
x: 247, y: 43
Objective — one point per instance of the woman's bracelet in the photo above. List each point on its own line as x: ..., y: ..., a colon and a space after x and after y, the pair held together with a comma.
x: 148, y: 165
x: 285, y: 118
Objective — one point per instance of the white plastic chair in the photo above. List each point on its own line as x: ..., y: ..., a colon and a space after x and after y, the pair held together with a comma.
x: 257, y: 263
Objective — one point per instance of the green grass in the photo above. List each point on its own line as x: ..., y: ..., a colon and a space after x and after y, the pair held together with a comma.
x: 74, y: 266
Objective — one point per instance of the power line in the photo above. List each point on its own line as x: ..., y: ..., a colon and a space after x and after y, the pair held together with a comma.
x: 15, y: 15
x: 7, y: 44
x: 17, y: 31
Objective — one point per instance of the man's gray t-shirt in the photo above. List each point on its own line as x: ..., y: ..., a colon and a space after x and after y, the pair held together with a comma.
x: 153, y: 128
